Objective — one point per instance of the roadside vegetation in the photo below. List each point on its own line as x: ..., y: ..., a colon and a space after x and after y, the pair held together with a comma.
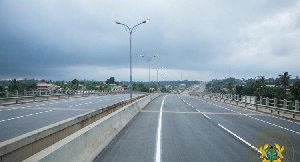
x: 31, y: 85
x: 283, y: 87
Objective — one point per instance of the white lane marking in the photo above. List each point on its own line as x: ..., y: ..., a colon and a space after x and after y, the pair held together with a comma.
x: 158, y: 136
x: 263, y: 120
x: 241, y: 139
x: 195, y: 109
x: 18, y: 117
x: 274, y: 125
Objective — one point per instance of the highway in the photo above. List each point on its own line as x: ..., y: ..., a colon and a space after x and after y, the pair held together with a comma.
x: 18, y: 119
x: 186, y: 128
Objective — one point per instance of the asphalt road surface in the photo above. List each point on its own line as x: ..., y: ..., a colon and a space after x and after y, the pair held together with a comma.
x: 18, y: 119
x: 184, y: 128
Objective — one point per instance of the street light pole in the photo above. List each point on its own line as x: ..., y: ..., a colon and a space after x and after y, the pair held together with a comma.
x: 149, y: 60
x: 130, y: 31
x: 163, y: 76
x: 157, y: 69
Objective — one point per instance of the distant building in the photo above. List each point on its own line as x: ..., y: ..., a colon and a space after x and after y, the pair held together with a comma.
x: 111, y: 85
x: 182, y: 86
x: 46, y: 87
x: 118, y: 88
x: 270, y: 85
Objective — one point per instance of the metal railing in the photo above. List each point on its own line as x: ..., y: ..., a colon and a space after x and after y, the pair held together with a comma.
x: 39, y: 95
x: 264, y: 102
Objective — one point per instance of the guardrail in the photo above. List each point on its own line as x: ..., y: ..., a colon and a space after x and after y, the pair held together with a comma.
x: 32, y: 96
x: 284, y: 108
x: 26, y: 145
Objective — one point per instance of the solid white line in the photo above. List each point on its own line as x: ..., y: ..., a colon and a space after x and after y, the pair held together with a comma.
x: 158, y: 136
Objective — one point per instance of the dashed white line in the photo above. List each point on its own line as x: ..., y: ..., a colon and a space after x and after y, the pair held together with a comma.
x: 18, y: 117
x: 241, y: 139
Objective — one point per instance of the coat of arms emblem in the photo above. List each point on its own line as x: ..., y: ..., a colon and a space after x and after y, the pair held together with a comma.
x: 272, y: 154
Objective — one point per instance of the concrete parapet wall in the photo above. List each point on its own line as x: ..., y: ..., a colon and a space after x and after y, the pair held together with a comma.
x: 24, y: 146
x: 87, y: 143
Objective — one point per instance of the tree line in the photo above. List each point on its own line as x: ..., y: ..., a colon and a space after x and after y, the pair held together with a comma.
x: 75, y: 84
x: 282, y: 87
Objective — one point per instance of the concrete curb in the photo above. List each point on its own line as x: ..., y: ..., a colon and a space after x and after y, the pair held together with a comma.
x: 87, y: 143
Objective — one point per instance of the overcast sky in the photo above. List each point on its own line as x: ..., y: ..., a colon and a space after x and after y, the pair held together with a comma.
x: 195, y: 39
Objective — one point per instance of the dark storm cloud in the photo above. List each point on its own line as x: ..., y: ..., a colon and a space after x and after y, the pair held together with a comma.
x: 50, y: 38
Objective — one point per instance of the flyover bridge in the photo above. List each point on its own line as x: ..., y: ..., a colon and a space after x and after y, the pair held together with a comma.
x: 162, y: 127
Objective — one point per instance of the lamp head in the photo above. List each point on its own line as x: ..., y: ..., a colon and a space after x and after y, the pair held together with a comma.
x: 142, y: 56
x: 115, y: 22
x: 146, y: 21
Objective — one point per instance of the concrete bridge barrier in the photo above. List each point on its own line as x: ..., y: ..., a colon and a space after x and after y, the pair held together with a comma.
x: 26, y: 145
x: 86, y: 143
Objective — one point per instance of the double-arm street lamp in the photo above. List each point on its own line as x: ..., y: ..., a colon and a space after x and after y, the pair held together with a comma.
x: 130, y: 31
x: 149, y: 60
x: 157, y: 69
x: 163, y: 76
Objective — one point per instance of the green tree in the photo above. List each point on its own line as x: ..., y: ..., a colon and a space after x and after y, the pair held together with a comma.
x: 238, y: 90
x: 111, y: 80
x: 229, y: 86
x: 295, y: 90
x: 285, y: 79
x: 14, y: 85
x: 75, y: 84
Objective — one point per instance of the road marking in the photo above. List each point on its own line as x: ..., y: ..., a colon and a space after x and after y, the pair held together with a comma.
x: 241, y: 139
x: 274, y: 125
x: 263, y: 120
x: 18, y: 117
x: 158, y: 136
